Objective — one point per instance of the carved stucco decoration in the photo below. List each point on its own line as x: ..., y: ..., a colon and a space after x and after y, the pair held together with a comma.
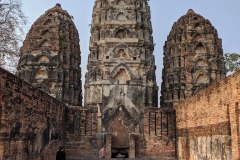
x: 50, y: 56
x: 193, y: 59
x: 124, y: 56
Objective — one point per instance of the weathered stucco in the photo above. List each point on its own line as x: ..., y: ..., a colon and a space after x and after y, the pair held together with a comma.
x: 193, y: 59
x: 121, y: 79
x: 50, y: 56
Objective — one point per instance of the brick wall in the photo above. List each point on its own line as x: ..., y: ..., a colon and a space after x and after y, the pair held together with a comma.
x: 82, y: 140
x: 31, y: 120
x: 34, y: 125
x: 159, y: 133
x: 208, y: 123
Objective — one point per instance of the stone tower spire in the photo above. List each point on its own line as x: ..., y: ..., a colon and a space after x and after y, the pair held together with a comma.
x: 121, y: 67
x: 50, y: 56
x: 193, y: 58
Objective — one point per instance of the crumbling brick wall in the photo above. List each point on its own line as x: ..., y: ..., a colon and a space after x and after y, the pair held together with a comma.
x: 31, y: 120
x: 82, y: 140
x: 159, y: 133
x: 34, y: 125
x: 208, y: 123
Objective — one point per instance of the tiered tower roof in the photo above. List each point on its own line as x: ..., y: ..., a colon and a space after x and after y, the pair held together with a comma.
x: 193, y: 58
x: 50, y: 56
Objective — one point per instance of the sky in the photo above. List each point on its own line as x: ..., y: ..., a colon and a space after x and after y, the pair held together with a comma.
x: 223, y: 14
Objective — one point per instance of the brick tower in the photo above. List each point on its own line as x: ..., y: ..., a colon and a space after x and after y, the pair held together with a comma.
x: 121, y: 77
x: 50, y: 56
x: 193, y: 58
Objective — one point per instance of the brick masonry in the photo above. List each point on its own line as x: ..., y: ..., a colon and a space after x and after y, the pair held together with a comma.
x: 31, y: 120
x: 34, y: 125
x: 159, y: 133
x: 208, y: 123
x: 120, y: 95
x: 82, y: 139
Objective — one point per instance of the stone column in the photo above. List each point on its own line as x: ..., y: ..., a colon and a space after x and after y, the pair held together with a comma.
x: 132, y: 146
x: 99, y: 117
x: 150, y: 96
x: 109, y: 145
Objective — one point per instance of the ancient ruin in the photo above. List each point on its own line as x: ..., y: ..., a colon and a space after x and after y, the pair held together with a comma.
x: 31, y: 120
x: 121, y: 67
x: 208, y: 122
x: 193, y: 59
x: 121, y: 79
x: 50, y: 56
x: 41, y: 107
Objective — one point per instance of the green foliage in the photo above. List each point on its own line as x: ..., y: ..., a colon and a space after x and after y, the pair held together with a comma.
x: 185, y: 44
x: 232, y: 62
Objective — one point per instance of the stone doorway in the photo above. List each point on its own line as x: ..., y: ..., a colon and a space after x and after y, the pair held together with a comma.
x: 120, y: 140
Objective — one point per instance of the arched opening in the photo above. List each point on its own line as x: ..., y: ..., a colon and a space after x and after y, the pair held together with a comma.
x: 121, y: 17
x: 122, y: 33
x: 170, y: 80
x: 44, y: 33
x: 202, y: 79
x: 120, y: 136
x: 201, y: 63
x: 122, y: 75
x: 182, y: 79
x: 43, y: 59
x: 41, y: 74
x: 121, y: 54
x: 198, y: 37
x: 195, y: 18
x: 45, y: 43
x: 200, y: 48
x: 121, y: 3
x: 197, y: 26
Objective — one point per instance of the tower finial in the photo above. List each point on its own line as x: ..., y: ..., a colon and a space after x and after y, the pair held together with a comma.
x: 190, y: 11
x: 58, y: 5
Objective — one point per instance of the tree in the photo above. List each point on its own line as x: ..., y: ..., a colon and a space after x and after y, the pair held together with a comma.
x: 12, y: 22
x: 232, y: 62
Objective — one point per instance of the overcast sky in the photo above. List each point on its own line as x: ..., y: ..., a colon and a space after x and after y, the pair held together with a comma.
x: 223, y: 14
